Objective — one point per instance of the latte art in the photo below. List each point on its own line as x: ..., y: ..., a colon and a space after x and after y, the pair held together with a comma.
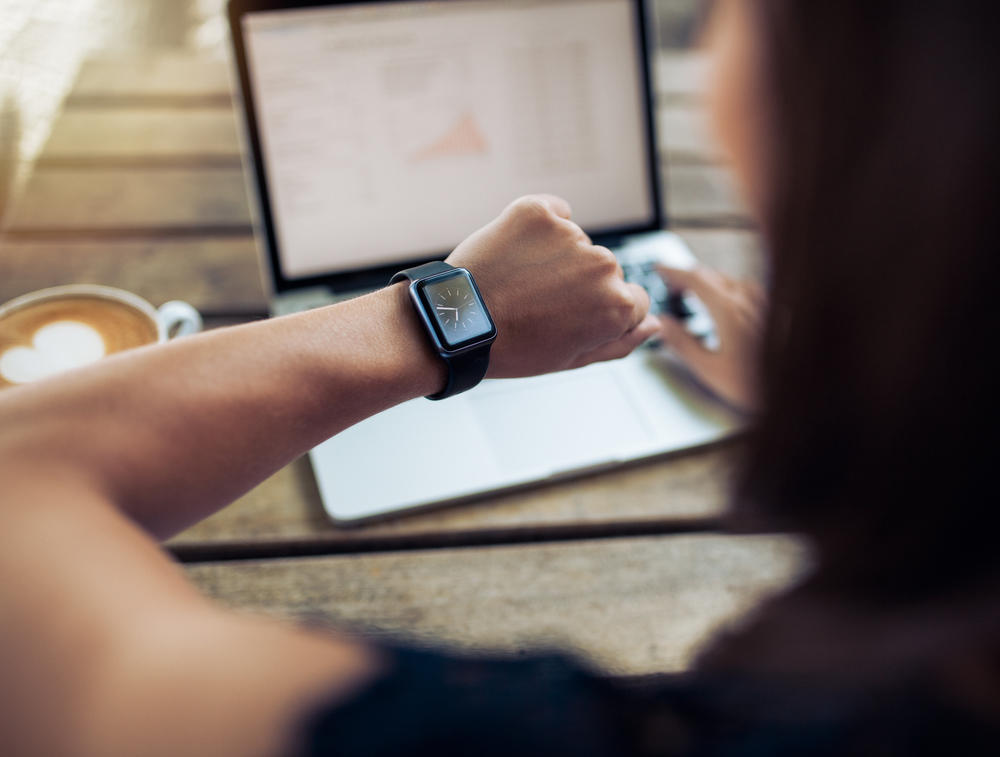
x: 56, y: 348
x: 47, y: 337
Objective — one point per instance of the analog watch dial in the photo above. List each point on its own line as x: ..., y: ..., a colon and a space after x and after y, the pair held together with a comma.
x: 457, y: 309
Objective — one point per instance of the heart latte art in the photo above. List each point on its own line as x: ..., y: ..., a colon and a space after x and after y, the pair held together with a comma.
x: 48, y: 337
x: 56, y: 348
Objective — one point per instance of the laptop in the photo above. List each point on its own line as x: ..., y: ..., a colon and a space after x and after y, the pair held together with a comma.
x: 380, y: 134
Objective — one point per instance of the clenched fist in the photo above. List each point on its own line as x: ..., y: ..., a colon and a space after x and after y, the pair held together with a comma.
x: 558, y: 300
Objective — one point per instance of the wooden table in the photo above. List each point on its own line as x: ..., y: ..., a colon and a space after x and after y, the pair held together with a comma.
x: 140, y: 186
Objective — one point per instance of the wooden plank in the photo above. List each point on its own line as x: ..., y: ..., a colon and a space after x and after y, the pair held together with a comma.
x: 704, y: 196
x: 103, y: 134
x: 214, y: 275
x: 149, y: 79
x: 736, y: 253
x: 632, y: 606
x: 681, y: 74
x: 86, y: 200
x: 160, y: 200
x: 285, y: 515
x: 684, y: 134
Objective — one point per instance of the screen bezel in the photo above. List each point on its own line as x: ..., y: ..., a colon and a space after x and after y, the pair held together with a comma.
x: 370, y: 277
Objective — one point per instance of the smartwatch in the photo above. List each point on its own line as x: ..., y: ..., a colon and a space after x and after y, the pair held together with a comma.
x: 456, y: 320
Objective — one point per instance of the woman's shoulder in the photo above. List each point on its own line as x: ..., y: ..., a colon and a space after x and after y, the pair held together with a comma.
x: 434, y: 702
x: 441, y: 703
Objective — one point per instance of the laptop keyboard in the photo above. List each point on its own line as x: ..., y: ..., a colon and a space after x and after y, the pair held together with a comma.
x: 662, y: 301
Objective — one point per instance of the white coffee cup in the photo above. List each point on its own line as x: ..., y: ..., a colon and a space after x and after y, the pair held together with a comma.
x: 52, y: 330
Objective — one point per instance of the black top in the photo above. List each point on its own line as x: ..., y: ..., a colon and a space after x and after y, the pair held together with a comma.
x: 430, y: 703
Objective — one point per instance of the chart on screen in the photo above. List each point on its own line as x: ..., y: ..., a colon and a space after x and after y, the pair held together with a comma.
x: 437, y: 119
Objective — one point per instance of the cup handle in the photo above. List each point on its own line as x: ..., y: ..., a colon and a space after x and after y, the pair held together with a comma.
x: 178, y: 319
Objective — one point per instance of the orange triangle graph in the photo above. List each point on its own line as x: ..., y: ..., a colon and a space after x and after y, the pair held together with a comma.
x: 463, y: 139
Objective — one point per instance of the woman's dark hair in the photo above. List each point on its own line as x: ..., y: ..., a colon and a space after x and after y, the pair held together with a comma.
x: 880, y: 396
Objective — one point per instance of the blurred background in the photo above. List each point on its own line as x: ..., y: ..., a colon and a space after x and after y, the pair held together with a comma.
x: 42, y: 43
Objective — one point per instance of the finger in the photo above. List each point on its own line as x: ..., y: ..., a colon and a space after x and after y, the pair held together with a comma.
x: 619, y: 348
x: 709, y: 285
x: 688, y: 348
x: 556, y: 204
x: 579, y: 234
x: 582, y: 235
x: 609, y: 256
x: 640, y: 307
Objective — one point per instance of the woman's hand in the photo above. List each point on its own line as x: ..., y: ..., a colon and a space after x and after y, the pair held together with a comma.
x: 737, y: 307
x: 558, y: 300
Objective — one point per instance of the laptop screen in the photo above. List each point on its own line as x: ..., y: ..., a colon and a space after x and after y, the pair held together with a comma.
x: 389, y: 131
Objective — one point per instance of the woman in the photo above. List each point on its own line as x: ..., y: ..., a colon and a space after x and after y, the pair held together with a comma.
x: 864, y: 136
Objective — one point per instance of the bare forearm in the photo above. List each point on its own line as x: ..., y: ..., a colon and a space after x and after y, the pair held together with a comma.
x: 172, y: 433
x: 128, y: 654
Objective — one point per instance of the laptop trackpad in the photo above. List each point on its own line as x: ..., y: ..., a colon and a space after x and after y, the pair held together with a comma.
x: 560, y: 422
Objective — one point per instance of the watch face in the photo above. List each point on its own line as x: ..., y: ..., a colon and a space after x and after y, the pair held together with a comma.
x: 457, y: 310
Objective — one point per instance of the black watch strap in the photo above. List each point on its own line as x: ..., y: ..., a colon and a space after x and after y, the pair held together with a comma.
x: 422, y: 271
x: 465, y: 370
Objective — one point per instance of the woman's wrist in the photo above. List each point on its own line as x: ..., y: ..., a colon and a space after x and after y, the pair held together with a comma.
x: 411, y: 363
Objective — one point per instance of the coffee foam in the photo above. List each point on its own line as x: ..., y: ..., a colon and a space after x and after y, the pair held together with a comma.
x: 47, y: 337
